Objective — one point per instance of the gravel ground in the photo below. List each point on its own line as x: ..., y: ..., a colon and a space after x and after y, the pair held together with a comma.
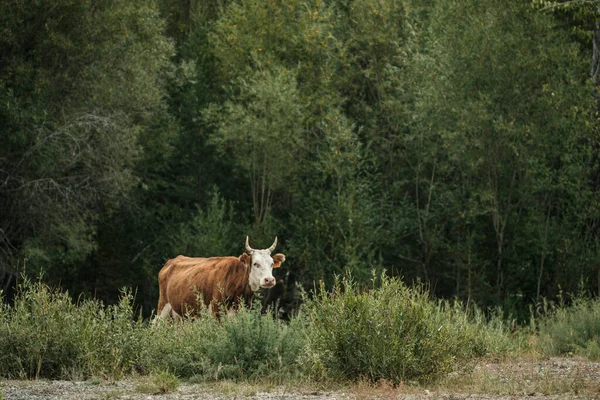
x: 555, y: 378
x: 34, y: 390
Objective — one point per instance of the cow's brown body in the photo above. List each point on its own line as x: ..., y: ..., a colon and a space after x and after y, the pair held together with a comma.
x: 216, y: 281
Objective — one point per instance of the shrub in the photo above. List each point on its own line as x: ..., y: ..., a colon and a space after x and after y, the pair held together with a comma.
x: 45, y: 335
x: 568, y: 330
x: 180, y: 347
x: 392, y: 333
x: 252, y: 345
x: 244, y: 345
x: 160, y: 383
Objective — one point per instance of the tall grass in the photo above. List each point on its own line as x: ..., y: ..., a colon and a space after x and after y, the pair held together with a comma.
x: 45, y: 334
x: 390, y: 332
x: 570, y: 330
x: 246, y: 345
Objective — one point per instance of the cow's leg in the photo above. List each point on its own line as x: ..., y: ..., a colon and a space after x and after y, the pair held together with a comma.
x: 166, y: 311
x: 215, y: 309
x: 174, y: 315
x: 162, y: 299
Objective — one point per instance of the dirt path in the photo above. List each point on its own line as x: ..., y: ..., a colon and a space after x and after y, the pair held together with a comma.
x: 556, y: 378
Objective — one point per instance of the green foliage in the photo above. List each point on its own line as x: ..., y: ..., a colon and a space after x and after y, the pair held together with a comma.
x: 181, y: 348
x: 344, y: 234
x: 246, y: 345
x: 392, y: 332
x: 579, y: 15
x: 261, y: 131
x: 451, y: 142
x: 335, y: 219
x: 488, y: 163
x: 570, y: 329
x: 46, y: 335
x: 253, y: 346
x: 160, y: 383
x: 209, y: 232
x: 79, y: 82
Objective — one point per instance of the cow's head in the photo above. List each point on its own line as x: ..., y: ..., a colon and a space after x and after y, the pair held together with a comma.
x: 261, y: 266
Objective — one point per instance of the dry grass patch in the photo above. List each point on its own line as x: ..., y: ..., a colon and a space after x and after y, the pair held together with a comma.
x: 160, y: 383
x: 236, y: 389
x: 113, y: 394
x: 275, y: 389
x: 383, y: 389
x: 528, y: 377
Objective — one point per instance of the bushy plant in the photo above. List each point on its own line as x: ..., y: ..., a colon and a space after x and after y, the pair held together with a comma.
x: 35, y: 334
x: 45, y: 335
x: 208, y: 231
x: 252, y: 345
x: 387, y: 332
x: 110, y: 337
x: 569, y: 330
x: 180, y: 346
x: 160, y: 383
x: 242, y: 345
x: 391, y: 332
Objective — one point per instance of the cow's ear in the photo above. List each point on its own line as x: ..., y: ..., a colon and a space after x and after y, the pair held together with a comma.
x: 278, y: 259
x: 246, y: 259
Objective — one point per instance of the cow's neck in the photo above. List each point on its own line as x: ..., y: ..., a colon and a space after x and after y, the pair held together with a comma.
x: 246, y: 259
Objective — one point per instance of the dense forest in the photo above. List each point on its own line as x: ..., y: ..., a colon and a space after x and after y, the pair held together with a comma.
x: 451, y: 142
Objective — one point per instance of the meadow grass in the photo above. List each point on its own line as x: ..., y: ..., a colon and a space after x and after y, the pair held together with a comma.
x: 44, y: 334
x: 387, y: 333
x: 159, y: 383
x: 572, y: 329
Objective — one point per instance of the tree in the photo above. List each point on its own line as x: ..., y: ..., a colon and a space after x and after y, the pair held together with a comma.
x: 261, y: 131
x: 80, y: 82
x: 500, y: 103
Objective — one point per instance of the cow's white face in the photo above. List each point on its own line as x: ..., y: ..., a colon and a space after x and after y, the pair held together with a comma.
x: 261, y: 270
x: 261, y: 266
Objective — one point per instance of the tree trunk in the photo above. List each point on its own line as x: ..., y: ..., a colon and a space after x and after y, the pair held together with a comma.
x: 543, y: 255
x: 595, y: 74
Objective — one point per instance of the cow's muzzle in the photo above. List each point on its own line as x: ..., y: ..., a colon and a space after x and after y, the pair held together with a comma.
x: 268, y: 283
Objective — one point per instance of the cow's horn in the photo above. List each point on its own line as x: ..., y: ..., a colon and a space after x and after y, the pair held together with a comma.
x: 273, y: 245
x: 248, y: 248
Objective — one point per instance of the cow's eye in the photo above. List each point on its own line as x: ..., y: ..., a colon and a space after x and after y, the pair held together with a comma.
x: 257, y: 265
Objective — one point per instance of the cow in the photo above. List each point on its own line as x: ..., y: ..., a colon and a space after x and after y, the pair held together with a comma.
x: 186, y: 284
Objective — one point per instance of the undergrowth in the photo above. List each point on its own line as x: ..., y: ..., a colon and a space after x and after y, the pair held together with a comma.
x: 46, y: 334
x: 572, y: 329
x: 386, y: 333
x: 246, y: 345
x: 159, y: 383
x: 395, y: 333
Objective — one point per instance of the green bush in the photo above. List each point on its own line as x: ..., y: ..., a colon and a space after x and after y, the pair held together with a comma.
x: 160, y: 383
x: 570, y: 330
x: 252, y: 345
x: 389, y: 332
x: 394, y: 333
x: 45, y: 335
x: 245, y: 345
x: 180, y: 347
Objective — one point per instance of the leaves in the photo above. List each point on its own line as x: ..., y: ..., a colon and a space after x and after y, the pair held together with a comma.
x: 451, y: 142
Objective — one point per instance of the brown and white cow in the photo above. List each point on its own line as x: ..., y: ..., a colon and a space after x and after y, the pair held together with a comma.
x: 216, y: 281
